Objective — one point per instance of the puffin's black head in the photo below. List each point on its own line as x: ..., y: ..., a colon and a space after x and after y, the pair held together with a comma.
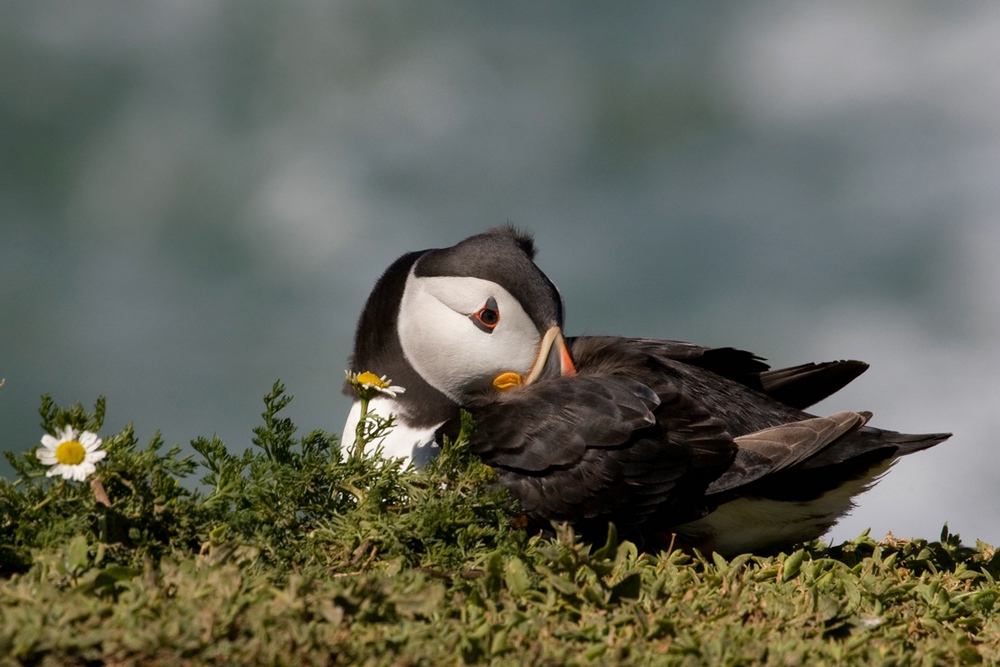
x: 504, y: 256
x: 452, y: 324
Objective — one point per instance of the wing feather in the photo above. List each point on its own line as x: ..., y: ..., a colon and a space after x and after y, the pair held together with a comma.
x: 780, y: 447
x: 603, y: 448
x: 796, y: 386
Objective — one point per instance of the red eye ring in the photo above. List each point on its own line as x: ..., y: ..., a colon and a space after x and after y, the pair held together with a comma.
x: 488, y: 317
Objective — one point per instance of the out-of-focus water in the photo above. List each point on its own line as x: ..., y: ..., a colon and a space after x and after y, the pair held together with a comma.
x: 195, y: 198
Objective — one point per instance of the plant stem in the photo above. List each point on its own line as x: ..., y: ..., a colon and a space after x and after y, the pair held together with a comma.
x: 359, y: 431
x: 48, y: 498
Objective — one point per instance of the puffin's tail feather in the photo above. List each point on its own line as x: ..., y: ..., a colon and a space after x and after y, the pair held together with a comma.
x: 873, y: 443
x: 802, y: 460
x: 907, y: 443
x: 785, y: 447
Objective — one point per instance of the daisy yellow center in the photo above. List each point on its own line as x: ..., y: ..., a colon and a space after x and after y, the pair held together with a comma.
x: 70, y: 453
x: 369, y: 378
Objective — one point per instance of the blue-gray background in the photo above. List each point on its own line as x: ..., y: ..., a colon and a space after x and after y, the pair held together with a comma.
x: 196, y: 196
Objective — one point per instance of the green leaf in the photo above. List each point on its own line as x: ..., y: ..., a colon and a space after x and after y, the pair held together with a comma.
x: 792, y: 565
x: 77, y: 555
x: 107, y: 577
x: 516, y: 577
x: 610, y: 544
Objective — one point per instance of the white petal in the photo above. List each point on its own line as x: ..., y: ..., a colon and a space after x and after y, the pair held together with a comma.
x: 89, y: 440
x: 49, y: 441
x: 94, y: 457
x: 58, y: 469
x: 46, y: 456
x: 68, y: 433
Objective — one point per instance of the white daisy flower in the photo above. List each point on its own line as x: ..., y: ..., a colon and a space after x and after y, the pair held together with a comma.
x: 366, y: 385
x: 71, y: 454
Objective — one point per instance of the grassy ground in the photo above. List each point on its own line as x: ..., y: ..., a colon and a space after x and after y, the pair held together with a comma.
x: 296, y: 553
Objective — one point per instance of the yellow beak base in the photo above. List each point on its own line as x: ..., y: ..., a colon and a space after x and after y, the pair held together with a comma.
x: 508, y: 380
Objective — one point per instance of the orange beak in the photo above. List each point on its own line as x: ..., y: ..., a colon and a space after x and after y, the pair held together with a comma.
x: 553, y: 360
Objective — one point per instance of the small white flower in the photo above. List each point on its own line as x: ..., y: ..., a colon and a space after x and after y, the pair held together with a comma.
x: 367, y: 385
x: 71, y: 454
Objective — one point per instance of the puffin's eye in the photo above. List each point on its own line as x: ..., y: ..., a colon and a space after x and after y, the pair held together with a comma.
x: 488, y: 317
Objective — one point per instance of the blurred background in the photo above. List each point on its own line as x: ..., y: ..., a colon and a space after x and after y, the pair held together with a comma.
x: 196, y: 197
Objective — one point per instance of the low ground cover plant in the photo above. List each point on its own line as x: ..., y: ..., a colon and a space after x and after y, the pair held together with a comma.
x: 305, y: 550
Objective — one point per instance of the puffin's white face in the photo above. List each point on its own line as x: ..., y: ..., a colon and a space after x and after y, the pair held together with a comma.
x: 460, y: 333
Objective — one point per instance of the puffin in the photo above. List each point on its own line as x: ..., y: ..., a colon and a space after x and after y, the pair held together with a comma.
x: 674, y: 443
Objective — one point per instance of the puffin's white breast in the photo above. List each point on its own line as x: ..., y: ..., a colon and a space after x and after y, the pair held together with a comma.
x: 414, y: 445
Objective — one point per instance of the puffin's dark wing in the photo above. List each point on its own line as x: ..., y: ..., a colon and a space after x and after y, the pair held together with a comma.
x: 602, y: 448
x: 804, y: 385
x: 852, y: 457
x: 781, y: 447
x: 552, y: 423
x: 796, y: 386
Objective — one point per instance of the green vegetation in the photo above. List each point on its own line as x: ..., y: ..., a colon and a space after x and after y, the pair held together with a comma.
x: 296, y: 552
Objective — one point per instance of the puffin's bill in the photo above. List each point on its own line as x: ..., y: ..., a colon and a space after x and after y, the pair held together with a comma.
x: 553, y: 361
x: 553, y: 358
